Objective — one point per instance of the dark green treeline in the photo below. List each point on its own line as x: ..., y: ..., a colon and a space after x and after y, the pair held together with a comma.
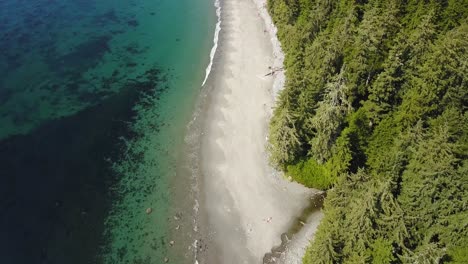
x: 374, y: 109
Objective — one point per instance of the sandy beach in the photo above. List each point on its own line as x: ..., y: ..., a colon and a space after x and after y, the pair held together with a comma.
x: 245, y: 205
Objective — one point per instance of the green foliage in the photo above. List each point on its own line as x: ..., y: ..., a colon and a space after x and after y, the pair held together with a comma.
x: 381, y: 251
x: 311, y: 174
x: 375, y: 108
x: 459, y: 254
x: 382, y: 147
x: 342, y: 155
x: 328, y: 118
x: 284, y: 141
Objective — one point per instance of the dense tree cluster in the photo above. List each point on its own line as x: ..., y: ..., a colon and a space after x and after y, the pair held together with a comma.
x: 375, y: 110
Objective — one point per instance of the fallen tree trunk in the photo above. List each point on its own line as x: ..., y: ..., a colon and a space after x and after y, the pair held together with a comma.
x: 273, y: 71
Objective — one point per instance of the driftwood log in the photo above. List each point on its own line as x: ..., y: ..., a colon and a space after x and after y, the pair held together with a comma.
x: 273, y: 70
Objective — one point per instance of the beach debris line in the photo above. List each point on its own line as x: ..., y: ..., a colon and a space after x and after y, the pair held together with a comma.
x: 178, y: 216
x: 273, y: 70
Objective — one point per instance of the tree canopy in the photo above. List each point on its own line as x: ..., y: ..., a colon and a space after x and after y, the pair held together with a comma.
x: 374, y: 110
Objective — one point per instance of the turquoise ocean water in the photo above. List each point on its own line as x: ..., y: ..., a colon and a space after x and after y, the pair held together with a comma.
x: 94, y: 99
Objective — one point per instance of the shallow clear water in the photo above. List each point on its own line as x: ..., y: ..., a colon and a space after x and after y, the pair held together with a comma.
x: 94, y: 98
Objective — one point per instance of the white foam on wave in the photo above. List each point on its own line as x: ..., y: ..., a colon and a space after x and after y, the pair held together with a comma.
x: 195, y: 245
x: 217, y: 4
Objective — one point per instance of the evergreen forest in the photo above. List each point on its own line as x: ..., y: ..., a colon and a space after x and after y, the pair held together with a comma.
x: 374, y: 111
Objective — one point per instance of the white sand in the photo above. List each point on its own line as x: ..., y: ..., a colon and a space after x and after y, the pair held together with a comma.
x: 246, y: 205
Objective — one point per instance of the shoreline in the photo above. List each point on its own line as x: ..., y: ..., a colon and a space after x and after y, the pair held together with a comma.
x: 245, y: 206
x: 278, y: 55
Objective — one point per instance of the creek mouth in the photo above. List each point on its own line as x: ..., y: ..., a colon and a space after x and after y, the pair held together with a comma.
x: 314, y: 206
